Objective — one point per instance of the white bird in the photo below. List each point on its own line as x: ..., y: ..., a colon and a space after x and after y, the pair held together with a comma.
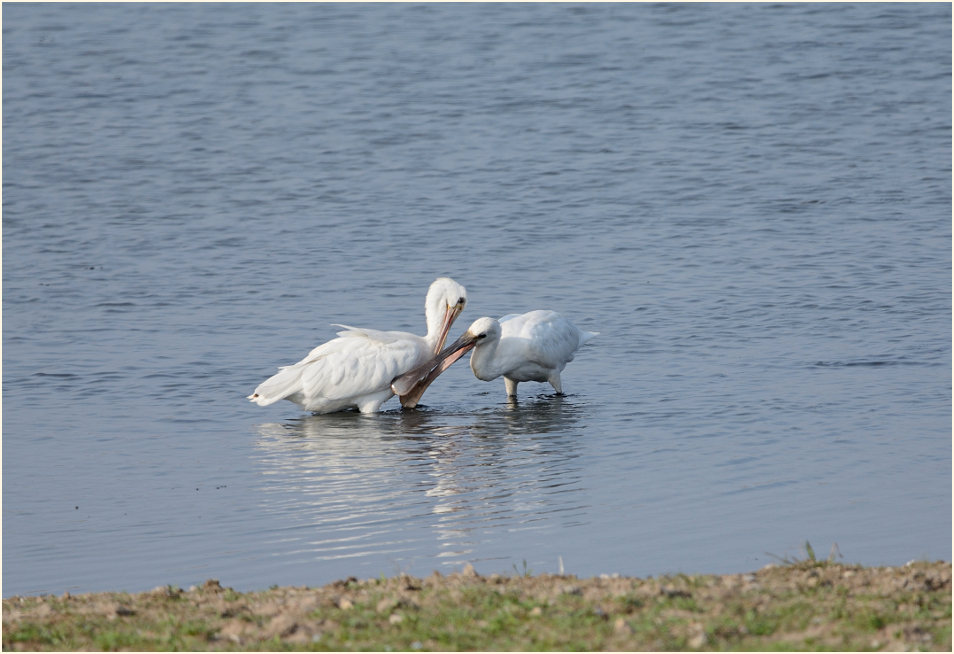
x: 533, y: 346
x: 357, y: 368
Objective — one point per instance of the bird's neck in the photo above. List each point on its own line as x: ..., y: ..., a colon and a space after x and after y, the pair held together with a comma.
x: 433, y: 316
x: 485, y: 364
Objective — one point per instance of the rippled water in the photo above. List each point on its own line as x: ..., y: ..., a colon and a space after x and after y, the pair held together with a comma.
x: 750, y: 203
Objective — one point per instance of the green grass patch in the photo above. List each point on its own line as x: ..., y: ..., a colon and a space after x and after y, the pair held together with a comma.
x: 807, y: 605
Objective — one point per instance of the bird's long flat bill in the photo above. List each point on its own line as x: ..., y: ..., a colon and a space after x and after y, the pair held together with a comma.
x: 410, y: 386
x: 450, y: 315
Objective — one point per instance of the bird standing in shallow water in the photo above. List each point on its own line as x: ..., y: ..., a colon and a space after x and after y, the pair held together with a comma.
x: 533, y: 346
x: 357, y: 368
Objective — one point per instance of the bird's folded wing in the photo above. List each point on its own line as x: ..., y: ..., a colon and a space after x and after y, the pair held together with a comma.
x: 355, y: 364
x: 378, y: 335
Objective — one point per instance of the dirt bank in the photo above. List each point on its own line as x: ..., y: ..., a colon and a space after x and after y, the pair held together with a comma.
x: 809, y: 605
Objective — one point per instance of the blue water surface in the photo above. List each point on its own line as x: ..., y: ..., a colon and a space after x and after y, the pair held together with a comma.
x: 750, y: 202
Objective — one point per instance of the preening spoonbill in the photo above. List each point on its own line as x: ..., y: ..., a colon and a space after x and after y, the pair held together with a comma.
x: 356, y: 369
x: 532, y: 346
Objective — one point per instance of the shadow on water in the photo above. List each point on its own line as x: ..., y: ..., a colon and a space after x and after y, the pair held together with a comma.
x: 424, y: 483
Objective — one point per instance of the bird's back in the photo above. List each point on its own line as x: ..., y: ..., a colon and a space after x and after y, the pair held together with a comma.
x: 542, y: 337
x: 357, y: 363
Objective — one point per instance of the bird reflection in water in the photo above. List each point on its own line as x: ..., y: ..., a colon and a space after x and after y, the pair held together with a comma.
x: 391, y: 484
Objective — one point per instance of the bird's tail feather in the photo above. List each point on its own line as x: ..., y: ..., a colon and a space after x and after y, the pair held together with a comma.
x: 277, y: 387
x: 585, y: 336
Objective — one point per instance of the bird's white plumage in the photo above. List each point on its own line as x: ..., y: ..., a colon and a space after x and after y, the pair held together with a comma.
x: 533, y: 346
x: 356, y: 369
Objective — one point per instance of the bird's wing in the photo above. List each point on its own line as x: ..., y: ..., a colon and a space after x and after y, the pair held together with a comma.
x: 377, y: 335
x: 552, y: 338
x: 359, y: 362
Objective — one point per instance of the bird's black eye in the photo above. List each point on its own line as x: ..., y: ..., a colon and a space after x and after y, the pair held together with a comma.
x: 482, y: 335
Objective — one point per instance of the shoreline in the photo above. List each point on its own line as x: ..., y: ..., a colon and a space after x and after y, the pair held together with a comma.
x: 802, y: 605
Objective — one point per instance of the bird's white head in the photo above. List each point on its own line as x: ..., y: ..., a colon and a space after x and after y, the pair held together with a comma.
x: 445, y: 301
x: 483, y: 330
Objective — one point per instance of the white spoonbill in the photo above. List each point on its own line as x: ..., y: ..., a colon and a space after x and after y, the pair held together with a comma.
x: 357, y: 368
x: 532, y: 346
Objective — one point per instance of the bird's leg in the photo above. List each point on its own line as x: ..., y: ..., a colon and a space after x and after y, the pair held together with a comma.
x: 372, y: 403
x: 511, y: 387
x: 554, y: 380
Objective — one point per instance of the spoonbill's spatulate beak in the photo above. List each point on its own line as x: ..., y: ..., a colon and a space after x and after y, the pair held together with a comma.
x: 450, y: 315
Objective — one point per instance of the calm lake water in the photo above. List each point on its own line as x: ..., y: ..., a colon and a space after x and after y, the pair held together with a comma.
x: 750, y: 203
